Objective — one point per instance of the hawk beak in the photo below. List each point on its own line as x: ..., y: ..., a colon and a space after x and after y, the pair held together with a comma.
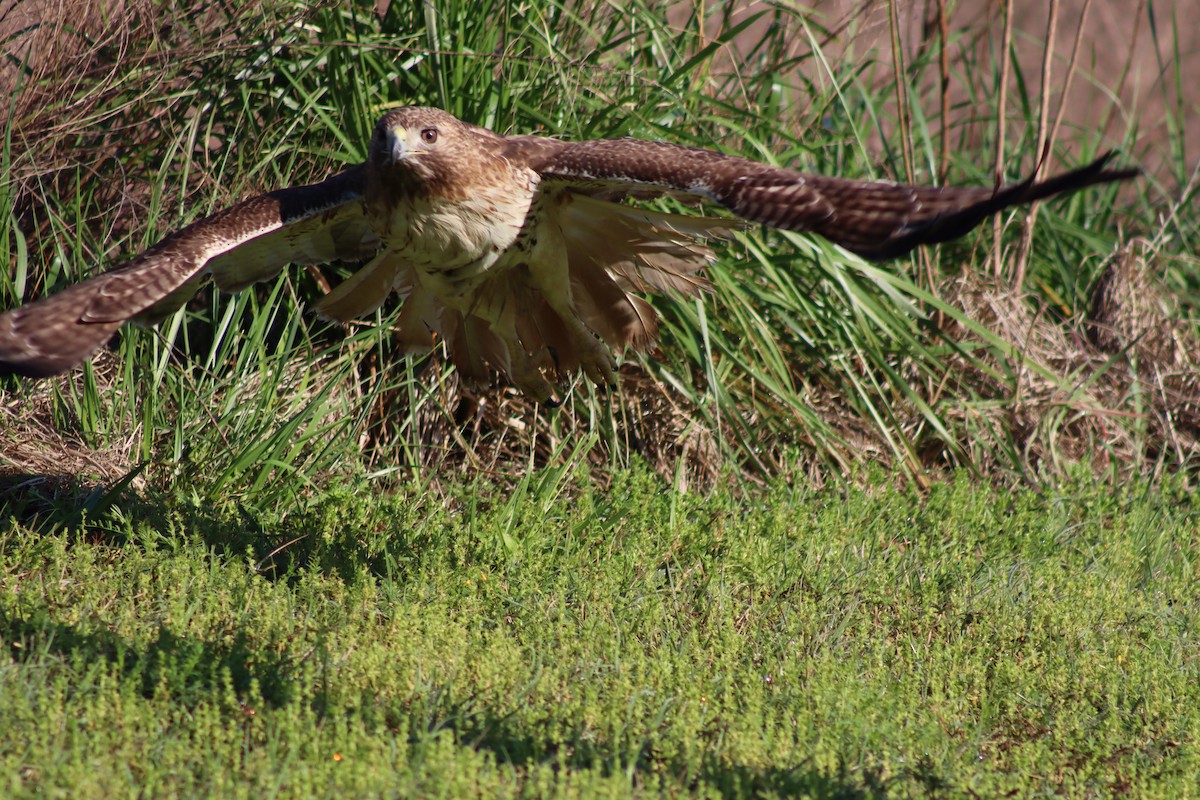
x: 397, y: 145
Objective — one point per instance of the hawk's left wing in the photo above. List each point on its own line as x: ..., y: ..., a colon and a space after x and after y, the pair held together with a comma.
x: 876, y: 219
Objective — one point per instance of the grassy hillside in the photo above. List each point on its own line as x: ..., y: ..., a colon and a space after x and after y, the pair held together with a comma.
x: 802, y: 357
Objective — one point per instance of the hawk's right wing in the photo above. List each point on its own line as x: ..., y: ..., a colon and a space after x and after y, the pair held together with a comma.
x: 248, y: 242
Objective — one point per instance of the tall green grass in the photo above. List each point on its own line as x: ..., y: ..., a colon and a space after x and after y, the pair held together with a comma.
x: 801, y: 348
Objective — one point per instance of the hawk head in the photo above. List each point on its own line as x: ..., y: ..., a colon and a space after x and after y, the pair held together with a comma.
x: 426, y: 151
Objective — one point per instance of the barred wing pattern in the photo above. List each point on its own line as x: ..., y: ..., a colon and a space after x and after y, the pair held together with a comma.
x: 262, y: 235
x: 877, y: 220
x: 516, y: 252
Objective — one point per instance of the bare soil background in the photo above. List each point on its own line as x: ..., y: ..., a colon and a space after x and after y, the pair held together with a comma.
x: 1138, y: 60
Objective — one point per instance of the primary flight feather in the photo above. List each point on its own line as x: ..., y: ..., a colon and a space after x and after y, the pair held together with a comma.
x: 516, y: 251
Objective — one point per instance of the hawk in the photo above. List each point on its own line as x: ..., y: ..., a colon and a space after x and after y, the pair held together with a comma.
x: 517, y: 252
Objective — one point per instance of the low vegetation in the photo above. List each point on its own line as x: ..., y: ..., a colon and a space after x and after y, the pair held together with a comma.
x: 843, y: 642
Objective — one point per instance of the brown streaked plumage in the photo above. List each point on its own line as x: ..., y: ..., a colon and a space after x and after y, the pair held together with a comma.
x: 516, y: 251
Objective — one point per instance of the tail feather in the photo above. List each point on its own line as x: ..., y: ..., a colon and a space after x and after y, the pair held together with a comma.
x: 544, y: 336
x: 475, y: 350
x: 364, y: 291
x: 621, y: 319
x: 420, y: 318
x: 555, y: 338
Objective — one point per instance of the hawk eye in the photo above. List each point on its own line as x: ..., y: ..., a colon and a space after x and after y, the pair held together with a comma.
x: 429, y: 135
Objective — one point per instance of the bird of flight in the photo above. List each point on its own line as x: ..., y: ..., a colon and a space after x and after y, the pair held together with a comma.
x: 517, y: 252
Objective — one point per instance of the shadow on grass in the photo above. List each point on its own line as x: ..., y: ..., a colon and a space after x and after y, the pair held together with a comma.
x: 738, y: 780
x: 188, y: 669
x: 580, y: 749
x: 728, y: 778
x: 48, y: 502
x: 193, y: 670
x: 281, y: 545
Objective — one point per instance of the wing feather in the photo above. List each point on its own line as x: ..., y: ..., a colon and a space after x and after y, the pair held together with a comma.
x: 610, y: 248
x: 875, y: 219
x: 258, y: 237
x: 364, y: 291
x: 643, y: 250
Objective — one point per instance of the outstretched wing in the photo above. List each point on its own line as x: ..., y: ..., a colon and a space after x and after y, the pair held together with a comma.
x: 251, y: 241
x: 876, y: 219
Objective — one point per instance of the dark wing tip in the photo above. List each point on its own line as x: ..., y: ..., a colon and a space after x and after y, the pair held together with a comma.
x: 1087, y: 175
x: 957, y: 222
x: 48, y: 357
x: 51, y: 336
x: 1123, y: 173
x: 40, y: 366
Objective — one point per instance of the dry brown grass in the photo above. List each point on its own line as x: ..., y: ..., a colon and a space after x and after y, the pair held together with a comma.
x: 499, y: 432
x: 95, y: 94
x: 1125, y: 67
x: 1116, y: 388
x: 43, y: 455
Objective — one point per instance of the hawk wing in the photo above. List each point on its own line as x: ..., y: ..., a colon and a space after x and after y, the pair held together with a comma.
x: 248, y: 242
x: 583, y: 253
x: 875, y: 219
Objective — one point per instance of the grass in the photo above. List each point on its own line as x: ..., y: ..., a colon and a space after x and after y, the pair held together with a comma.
x: 801, y: 350
x: 252, y: 554
x: 855, y: 641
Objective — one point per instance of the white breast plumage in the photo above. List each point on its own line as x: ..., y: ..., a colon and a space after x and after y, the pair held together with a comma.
x: 454, y: 243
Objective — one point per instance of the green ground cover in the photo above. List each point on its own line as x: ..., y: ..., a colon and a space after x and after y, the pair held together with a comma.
x: 843, y: 642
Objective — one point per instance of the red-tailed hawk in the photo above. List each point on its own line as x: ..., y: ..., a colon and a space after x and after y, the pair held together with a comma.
x: 515, y: 251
